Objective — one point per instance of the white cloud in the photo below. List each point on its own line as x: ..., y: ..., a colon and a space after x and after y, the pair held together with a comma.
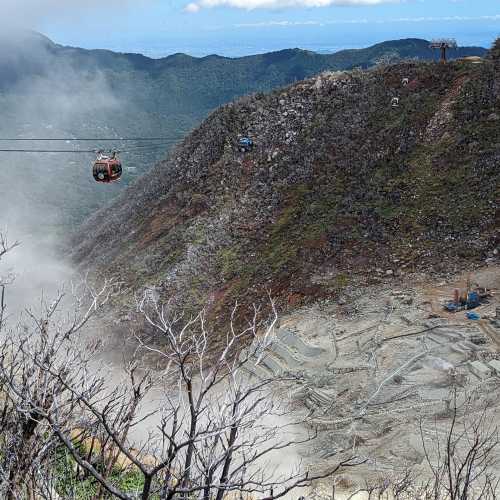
x: 449, y: 18
x: 286, y: 24
x: 192, y: 8
x: 269, y: 24
x: 279, y: 4
x: 27, y: 13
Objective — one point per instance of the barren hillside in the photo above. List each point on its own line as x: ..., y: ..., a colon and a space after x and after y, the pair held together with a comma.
x: 340, y: 189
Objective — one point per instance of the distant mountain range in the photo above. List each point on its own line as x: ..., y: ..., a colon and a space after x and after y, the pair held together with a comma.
x: 181, y: 83
x: 50, y: 90
x: 181, y: 86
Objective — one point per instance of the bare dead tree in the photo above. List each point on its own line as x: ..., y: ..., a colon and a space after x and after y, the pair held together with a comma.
x: 461, y: 457
x: 227, y: 425
x: 30, y: 356
x: 5, y: 247
x: 402, y: 484
x: 31, y: 351
x: 215, y: 430
x: 464, y: 462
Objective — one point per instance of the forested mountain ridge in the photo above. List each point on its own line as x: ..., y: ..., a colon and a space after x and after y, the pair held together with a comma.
x: 185, y: 87
x: 342, y: 189
x: 218, y: 77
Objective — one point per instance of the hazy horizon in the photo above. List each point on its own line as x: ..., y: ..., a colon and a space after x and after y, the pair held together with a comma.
x: 234, y: 28
x: 237, y: 48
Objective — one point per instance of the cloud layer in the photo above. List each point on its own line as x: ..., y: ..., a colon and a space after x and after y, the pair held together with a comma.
x: 277, y: 4
x: 288, y: 24
x: 15, y: 14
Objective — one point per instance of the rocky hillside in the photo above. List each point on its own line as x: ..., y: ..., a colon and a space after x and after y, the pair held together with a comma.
x: 341, y: 189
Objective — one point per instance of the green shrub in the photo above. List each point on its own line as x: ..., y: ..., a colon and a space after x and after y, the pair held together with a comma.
x: 495, y: 50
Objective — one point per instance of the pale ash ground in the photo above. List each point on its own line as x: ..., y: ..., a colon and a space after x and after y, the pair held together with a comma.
x: 370, y: 390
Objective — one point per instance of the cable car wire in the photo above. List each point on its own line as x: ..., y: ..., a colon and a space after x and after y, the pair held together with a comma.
x: 130, y: 149
x: 87, y: 151
x: 153, y: 144
x: 96, y: 139
x: 147, y: 147
x: 48, y: 151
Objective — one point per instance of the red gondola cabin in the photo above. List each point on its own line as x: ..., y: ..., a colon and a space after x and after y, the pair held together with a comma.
x: 107, y: 168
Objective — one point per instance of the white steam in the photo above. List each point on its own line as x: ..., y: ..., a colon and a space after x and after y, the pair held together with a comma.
x: 42, y: 194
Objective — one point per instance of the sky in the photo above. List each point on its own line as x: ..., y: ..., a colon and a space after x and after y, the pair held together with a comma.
x: 242, y: 27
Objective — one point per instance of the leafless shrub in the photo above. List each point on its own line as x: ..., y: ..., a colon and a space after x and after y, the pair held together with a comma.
x: 5, y: 247
x: 463, y: 461
x: 217, y: 427
x: 31, y: 352
x: 213, y: 433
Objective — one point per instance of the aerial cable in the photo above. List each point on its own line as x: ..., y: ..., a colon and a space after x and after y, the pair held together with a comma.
x: 96, y: 139
x: 48, y: 151
x: 132, y: 149
x: 71, y: 151
x: 147, y: 146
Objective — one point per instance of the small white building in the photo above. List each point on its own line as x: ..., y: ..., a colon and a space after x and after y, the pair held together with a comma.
x: 495, y: 366
x: 480, y: 370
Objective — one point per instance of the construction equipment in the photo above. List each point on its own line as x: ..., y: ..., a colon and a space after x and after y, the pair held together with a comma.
x: 467, y: 299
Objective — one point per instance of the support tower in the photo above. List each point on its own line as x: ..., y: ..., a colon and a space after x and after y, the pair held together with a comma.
x: 443, y: 44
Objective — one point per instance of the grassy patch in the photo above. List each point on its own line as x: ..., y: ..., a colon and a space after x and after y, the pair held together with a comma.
x: 341, y: 281
x: 230, y: 261
x: 68, y: 485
